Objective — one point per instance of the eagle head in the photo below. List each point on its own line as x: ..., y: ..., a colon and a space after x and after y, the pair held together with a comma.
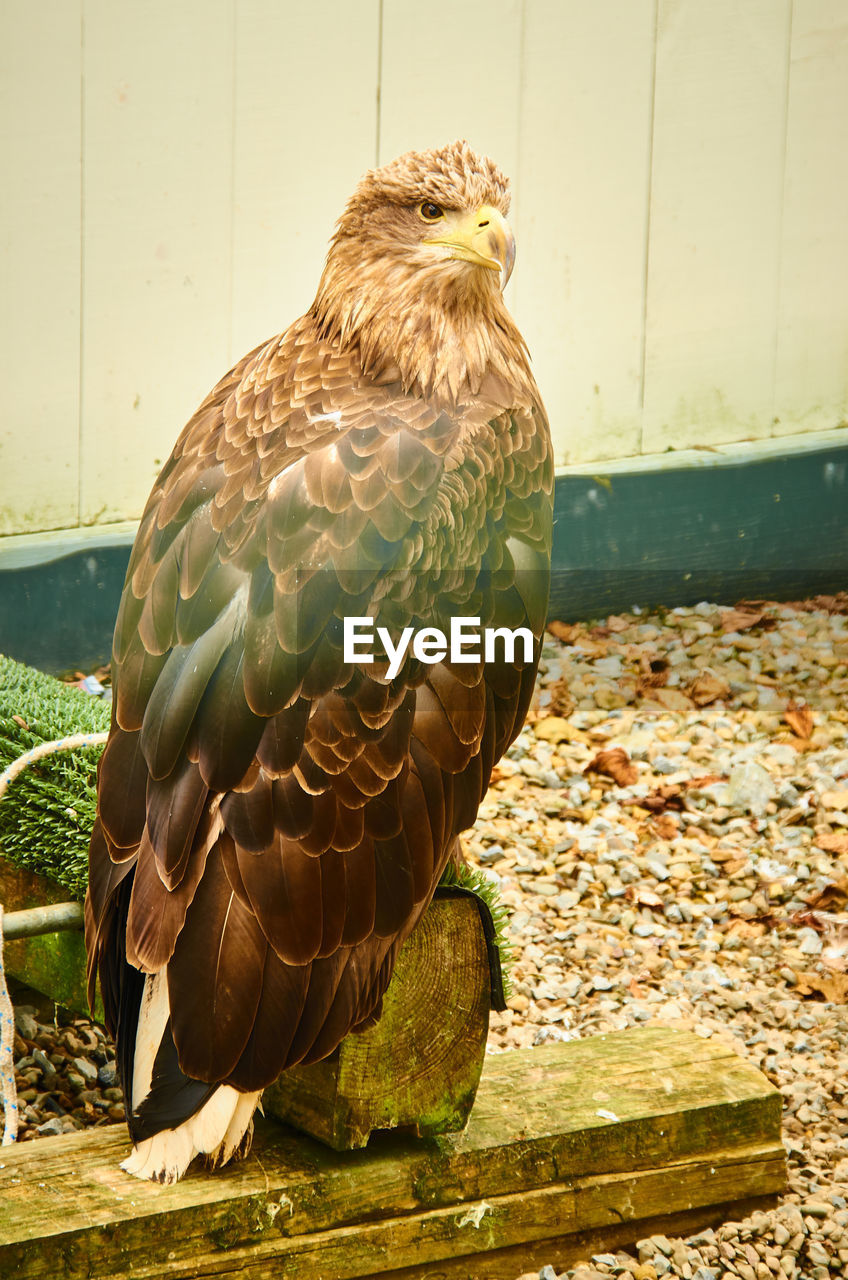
x: 417, y: 266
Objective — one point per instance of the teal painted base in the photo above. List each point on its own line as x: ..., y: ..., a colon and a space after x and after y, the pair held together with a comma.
x: 774, y: 527
x: 769, y: 528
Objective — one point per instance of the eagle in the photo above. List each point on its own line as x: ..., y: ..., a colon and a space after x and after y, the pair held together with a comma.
x: 276, y: 802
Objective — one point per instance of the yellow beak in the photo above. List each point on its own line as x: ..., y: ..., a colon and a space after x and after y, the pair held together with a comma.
x: 484, y: 238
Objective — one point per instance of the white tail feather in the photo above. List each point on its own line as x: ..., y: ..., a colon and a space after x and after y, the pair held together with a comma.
x: 152, y: 1017
x: 221, y: 1128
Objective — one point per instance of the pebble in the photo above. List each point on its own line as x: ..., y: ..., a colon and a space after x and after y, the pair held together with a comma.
x: 58, y: 1060
x: 25, y: 1023
x: 88, y: 1070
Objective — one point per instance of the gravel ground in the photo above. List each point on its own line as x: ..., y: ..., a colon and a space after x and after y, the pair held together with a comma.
x: 670, y: 832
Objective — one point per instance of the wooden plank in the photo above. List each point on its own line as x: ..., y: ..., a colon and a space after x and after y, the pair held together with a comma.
x: 305, y: 130
x: 40, y: 264
x: 468, y: 1234
x: 157, y: 190
x: 697, y: 1127
x: 564, y: 1251
x: 582, y: 192
x: 812, y: 368
x: 716, y: 195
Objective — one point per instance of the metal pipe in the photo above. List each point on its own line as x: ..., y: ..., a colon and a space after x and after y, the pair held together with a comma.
x: 55, y: 918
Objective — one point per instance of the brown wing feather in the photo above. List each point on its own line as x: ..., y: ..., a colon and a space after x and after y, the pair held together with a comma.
x: 286, y: 814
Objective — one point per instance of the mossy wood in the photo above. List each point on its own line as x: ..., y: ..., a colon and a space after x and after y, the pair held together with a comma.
x: 542, y: 1173
x: 420, y: 1065
x: 53, y: 963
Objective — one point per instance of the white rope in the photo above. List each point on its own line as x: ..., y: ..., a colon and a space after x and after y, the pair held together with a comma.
x: 45, y: 749
x: 8, y: 1091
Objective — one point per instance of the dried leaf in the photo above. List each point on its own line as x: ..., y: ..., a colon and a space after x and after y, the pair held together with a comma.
x: 834, y: 894
x: 19, y: 720
x: 832, y: 987
x: 735, y: 864
x: 768, y: 919
x: 616, y: 623
x: 561, y: 701
x: 835, y: 843
x: 799, y: 717
x: 831, y: 604
x: 653, y: 672
x: 725, y: 855
x: 670, y: 795
x: 672, y: 700
x: 703, y: 781
x: 565, y: 631
x: 556, y: 729
x: 667, y: 797
x: 707, y: 688
x: 614, y: 763
x: 665, y: 826
x: 741, y: 928
x: 741, y: 619
x: 644, y: 897
x: 594, y: 648
x: 836, y: 799
x: 808, y: 920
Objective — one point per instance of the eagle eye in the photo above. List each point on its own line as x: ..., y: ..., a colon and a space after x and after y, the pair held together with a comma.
x: 430, y: 212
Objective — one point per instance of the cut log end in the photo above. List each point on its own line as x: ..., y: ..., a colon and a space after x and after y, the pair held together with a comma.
x: 419, y: 1066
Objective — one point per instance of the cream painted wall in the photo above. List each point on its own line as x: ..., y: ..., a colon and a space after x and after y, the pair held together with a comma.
x: 173, y: 171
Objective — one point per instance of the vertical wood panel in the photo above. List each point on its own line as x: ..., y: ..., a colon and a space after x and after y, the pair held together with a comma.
x: 157, y: 235
x: 812, y: 354
x: 220, y: 139
x: 717, y: 182
x: 305, y: 131
x: 40, y: 264
x: 451, y: 71
x: 585, y: 152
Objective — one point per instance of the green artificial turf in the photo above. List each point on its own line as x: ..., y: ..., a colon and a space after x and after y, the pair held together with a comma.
x: 47, y: 812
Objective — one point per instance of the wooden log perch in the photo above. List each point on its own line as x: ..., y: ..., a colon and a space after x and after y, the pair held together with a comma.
x: 420, y: 1065
x: 570, y: 1149
x: 34, y: 922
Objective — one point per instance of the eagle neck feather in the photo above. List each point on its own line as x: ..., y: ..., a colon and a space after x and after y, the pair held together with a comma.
x: 443, y: 333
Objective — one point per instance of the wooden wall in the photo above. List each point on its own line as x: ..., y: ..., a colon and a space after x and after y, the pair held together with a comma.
x: 172, y: 172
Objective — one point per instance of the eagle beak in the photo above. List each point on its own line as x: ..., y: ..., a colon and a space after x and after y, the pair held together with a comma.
x: 483, y: 238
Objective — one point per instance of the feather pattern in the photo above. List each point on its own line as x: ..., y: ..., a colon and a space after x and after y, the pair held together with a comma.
x: 274, y: 815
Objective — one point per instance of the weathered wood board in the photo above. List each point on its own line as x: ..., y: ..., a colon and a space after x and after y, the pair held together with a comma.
x: 542, y: 1173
